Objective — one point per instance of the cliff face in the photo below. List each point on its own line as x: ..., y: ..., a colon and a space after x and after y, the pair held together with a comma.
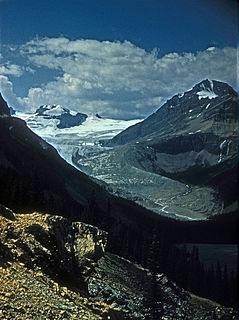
x: 55, y: 268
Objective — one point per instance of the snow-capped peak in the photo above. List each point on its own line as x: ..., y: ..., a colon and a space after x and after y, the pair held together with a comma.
x: 52, y: 110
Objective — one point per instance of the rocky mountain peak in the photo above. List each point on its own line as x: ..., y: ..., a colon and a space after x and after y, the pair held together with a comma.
x: 186, y: 112
x: 51, y: 110
x: 215, y: 87
x: 67, y: 118
x: 204, y: 91
x: 4, y: 110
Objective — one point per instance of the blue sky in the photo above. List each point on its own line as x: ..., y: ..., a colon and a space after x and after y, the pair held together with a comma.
x: 119, y: 58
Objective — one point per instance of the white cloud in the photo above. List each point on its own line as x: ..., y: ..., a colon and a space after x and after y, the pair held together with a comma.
x: 6, y: 89
x: 11, y: 69
x: 118, y: 79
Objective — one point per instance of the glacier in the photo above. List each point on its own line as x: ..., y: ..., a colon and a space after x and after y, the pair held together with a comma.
x: 83, y: 138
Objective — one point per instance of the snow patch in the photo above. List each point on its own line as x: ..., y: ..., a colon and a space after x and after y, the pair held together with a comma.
x: 224, y: 144
x: 195, y: 132
x: 207, y: 92
x: 55, y: 110
x: 228, y: 147
x: 211, y: 84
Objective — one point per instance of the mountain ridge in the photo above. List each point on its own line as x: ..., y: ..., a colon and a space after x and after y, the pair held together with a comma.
x: 185, y: 104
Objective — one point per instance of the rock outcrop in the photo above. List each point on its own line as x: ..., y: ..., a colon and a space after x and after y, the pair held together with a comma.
x: 53, y: 268
x: 53, y: 242
x: 44, y: 263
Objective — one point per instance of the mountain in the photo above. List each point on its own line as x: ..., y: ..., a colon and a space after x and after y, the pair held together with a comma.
x: 58, y: 259
x: 80, y: 134
x: 65, y: 117
x: 172, y: 161
x: 210, y: 107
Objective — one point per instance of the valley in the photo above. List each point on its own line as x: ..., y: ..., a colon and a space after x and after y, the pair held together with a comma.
x: 165, y: 163
x: 119, y: 160
x: 111, y: 206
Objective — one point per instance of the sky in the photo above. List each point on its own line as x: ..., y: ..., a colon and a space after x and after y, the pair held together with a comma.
x: 119, y: 58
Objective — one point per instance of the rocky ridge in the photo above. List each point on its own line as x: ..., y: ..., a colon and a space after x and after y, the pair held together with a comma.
x: 210, y: 106
x: 53, y: 268
x: 64, y: 117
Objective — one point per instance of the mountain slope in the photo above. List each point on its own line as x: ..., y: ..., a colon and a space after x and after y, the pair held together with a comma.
x: 54, y: 268
x: 210, y: 106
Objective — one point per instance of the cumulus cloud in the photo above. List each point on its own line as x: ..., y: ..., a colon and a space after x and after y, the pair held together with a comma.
x: 11, y: 69
x: 6, y: 89
x: 119, y: 79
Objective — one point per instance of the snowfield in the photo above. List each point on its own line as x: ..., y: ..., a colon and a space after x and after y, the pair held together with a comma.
x: 82, y: 139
